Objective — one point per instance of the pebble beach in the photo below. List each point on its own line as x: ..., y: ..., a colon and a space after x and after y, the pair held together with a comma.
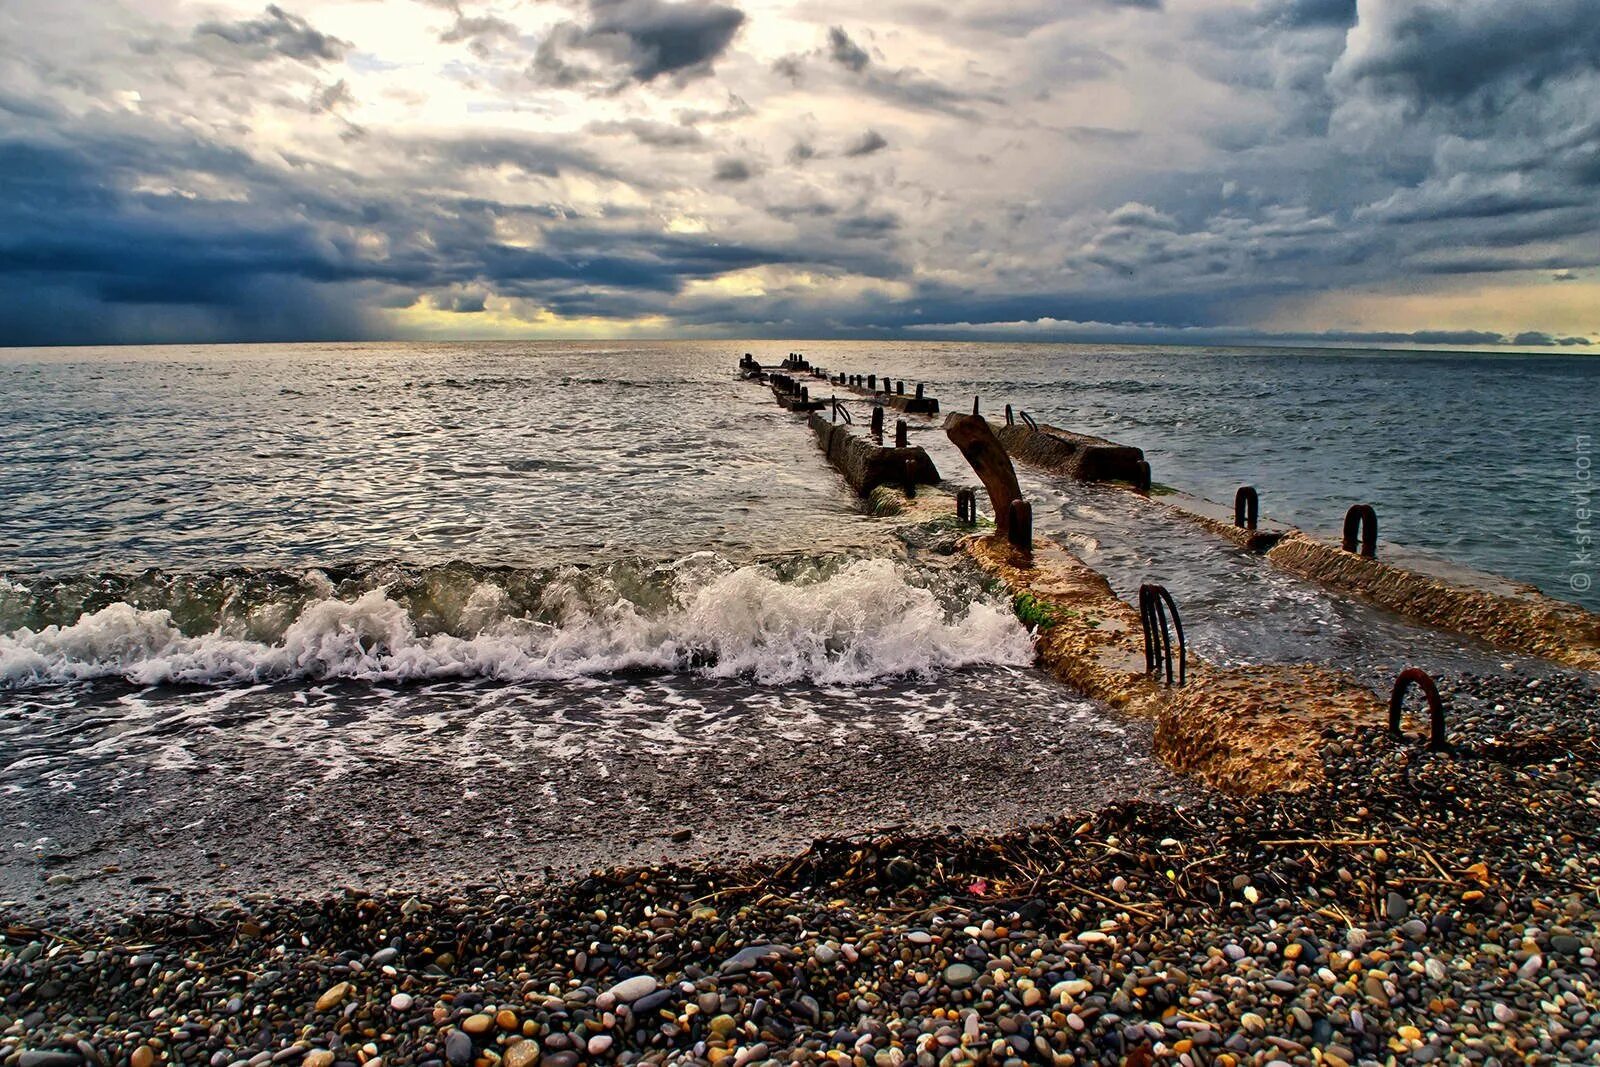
x: 1418, y: 907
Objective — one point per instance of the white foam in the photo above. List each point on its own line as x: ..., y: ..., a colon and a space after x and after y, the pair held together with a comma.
x: 864, y: 622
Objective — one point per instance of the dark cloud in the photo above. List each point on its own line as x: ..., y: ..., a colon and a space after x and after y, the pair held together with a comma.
x: 275, y: 33
x: 1324, y: 155
x: 654, y: 134
x: 102, y: 264
x: 869, y: 142
x: 845, y: 52
x: 333, y: 97
x: 904, y: 86
x: 466, y: 302
x: 866, y: 226
x: 909, y: 87
x: 1296, y: 14
x: 1101, y: 135
x: 1441, y: 52
x: 480, y: 33
x: 1540, y: 338
x: 807, y: 209
x: 790, y: 67
x: 645, y: 38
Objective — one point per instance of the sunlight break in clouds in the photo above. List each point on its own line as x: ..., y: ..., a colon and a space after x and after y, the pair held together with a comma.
x: 1422, y: 171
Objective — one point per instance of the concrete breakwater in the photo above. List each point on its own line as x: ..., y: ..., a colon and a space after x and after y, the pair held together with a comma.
x: 891, y: 394
x: 1517, y: 619
x: 864, y: 461
x: 867, y: 465
x: 1507, y: 615
x: 1244, y: 730
x: 1078, y: 456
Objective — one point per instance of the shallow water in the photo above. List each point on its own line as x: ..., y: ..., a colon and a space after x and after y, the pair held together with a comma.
x: 520, y: 453
x: 140, y: 796
x: 266, y: 608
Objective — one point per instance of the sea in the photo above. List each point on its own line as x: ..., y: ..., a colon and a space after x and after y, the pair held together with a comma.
x: 274, y: 618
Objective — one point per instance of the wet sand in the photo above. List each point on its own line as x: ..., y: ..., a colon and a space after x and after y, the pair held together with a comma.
x: 171, y: 801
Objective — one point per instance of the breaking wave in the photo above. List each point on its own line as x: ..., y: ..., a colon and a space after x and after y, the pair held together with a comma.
x: 829, y: 621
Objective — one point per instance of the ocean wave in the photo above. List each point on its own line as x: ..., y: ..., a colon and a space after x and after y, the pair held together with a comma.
x: 829, y: 621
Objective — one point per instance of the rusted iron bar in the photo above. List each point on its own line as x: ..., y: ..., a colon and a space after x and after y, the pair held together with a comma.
x: 1019, y: 531
x: 967, y: 507
x: 1397, y: 698
x: 1246, y: 507
x: 1361, y: 521
x: 1155, y: 606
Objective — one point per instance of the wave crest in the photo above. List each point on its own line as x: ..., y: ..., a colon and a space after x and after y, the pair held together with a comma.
x: 849, y: 624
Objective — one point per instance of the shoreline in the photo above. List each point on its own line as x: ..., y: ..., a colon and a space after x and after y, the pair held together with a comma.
x: 1433, y: 912
x: 499, y: 788
x: 1314, y: 891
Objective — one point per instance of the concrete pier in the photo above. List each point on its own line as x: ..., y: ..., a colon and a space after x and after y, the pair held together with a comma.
x: 1076, y: 455
x: 867, y: 465
x: 1505, y: 614
x: 913, y: 403
x: 1508, y: 615
x: 1243, y: 729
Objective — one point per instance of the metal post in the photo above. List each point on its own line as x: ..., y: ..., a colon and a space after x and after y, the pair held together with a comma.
x: 1020, y: 531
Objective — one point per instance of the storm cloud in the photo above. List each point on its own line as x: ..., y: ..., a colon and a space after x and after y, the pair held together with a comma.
x: 1416, y: 172
x: 276, y: 33
x: 646, y: 38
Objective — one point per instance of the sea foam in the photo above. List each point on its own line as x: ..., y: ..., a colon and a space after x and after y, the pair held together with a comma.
x: 863, y: 621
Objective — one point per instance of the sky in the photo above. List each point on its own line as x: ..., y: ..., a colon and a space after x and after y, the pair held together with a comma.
x: 1384, y: 172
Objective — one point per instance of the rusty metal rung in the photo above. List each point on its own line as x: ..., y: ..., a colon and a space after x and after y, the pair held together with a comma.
x: 1155, y: 604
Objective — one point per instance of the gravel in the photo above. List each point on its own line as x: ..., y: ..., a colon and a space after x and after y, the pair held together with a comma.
x: 1417, y: 908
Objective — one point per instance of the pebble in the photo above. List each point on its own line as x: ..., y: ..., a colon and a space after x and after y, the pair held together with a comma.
x: 522, y: 1054
x: 960, y: 975
x: 333, y: 996
x: 631, y: 989
x: 932, y: 950
x: 458, y: 1049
